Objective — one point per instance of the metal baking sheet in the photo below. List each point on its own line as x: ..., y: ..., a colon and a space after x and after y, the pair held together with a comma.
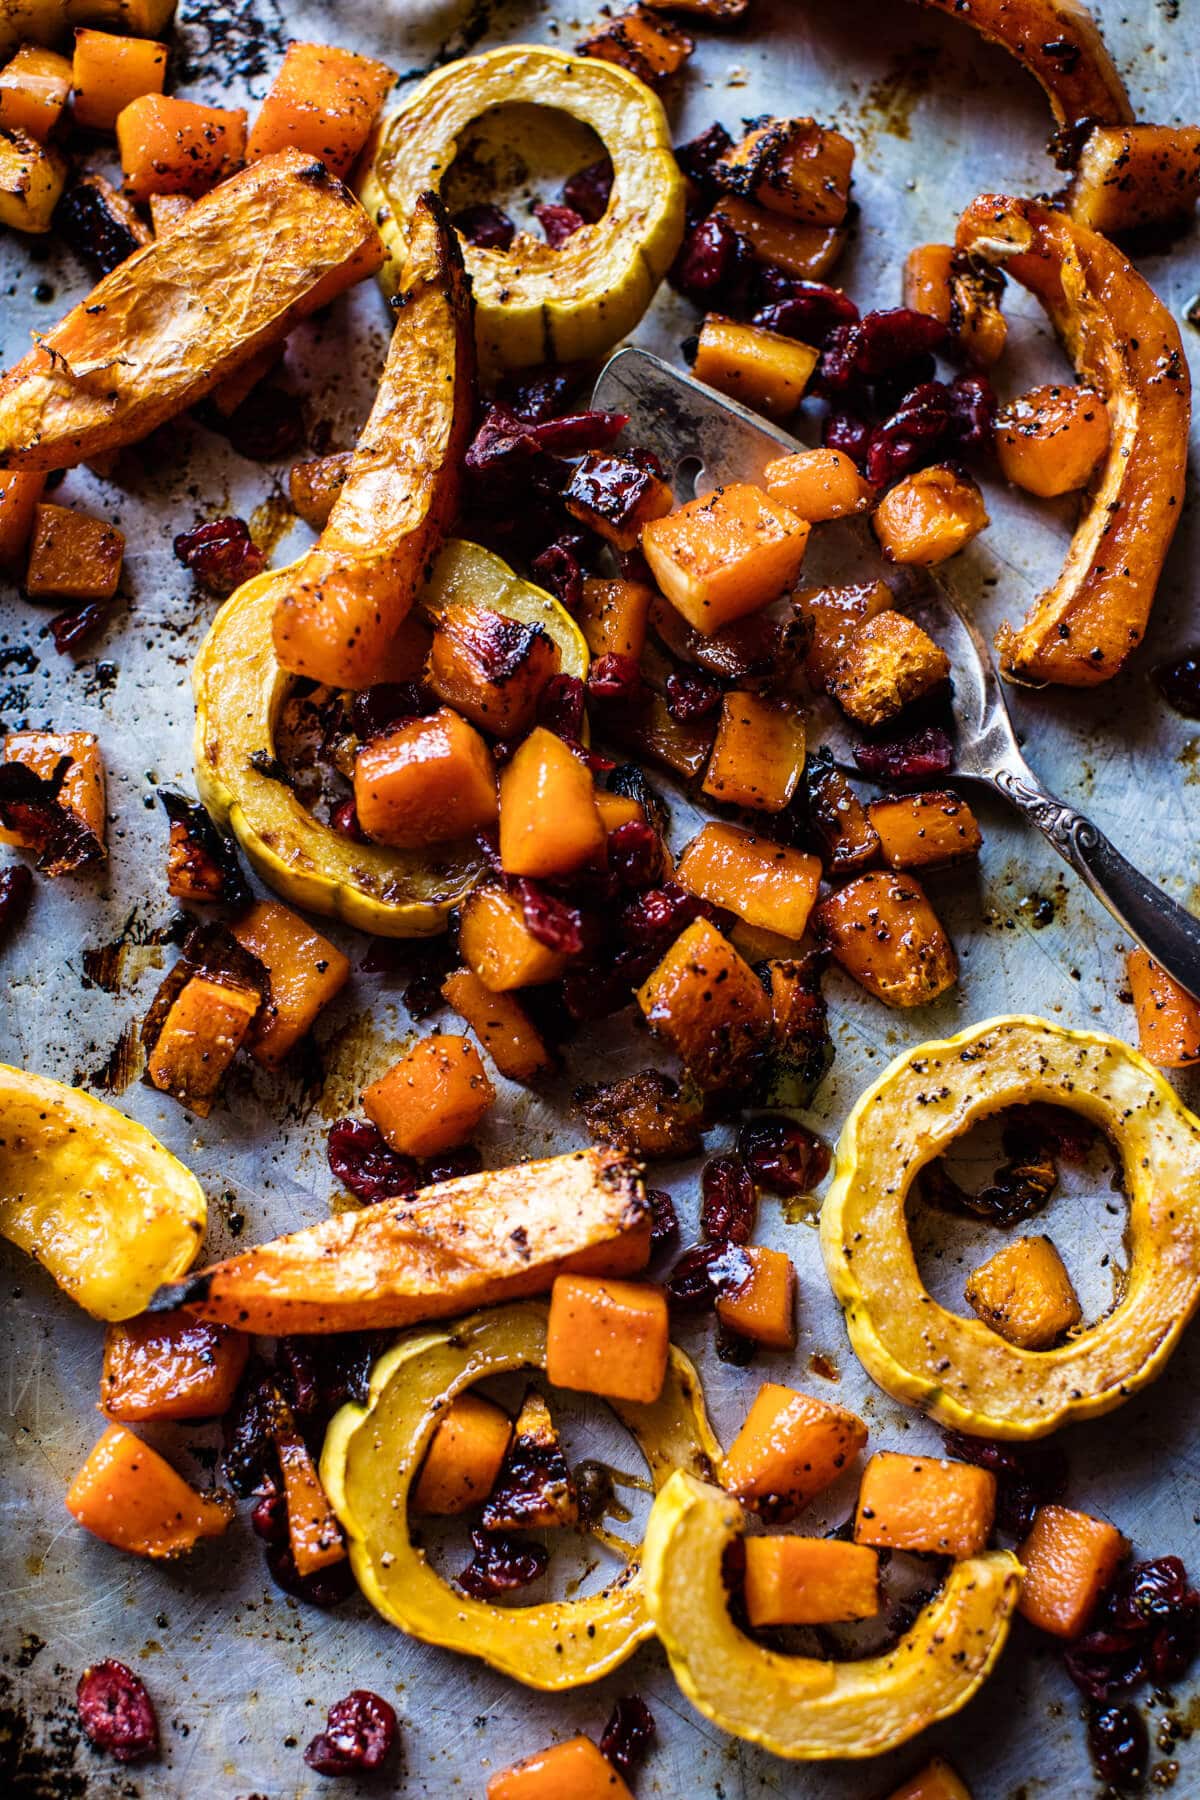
x: 241, y: 1674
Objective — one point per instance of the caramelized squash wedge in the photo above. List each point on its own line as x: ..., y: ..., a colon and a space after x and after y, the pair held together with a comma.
x: 1060, y: 44
x: 1124, y: 343
x: 536, y: 302
x: 92, y: 1196
x: 265, y: 249
x: 372, y: 1455
x: 955, y: 1368
x: 48, y: 21
x: 806, y: 1708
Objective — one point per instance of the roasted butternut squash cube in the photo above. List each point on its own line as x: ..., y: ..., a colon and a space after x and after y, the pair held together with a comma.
x: 644, y: 43
x: 818, y: 485
x: 204, y: 1029
x: 501, y: 1024
x: 1069, y: 1559
x: 323, y: 100
x: 832, y: 615
x: 926, y: 1504
x: 925, y: 831
x: 883, y: 931
x: 314, y: 1535
x: 1049, y: 440
x: 171, y: 146
x: 763, y: 1307
x: 929, y: 516
x: 809, y: 1581
x: 725, y: 555
x: 802, y: 1050
x: 490, y: 668
x: 615, y: 493
x: 758, y: 756
x: 947, y: 285
x: 707, y: 1003
x: 314, y: 486
x: 1025, y: 1294
x: 82, y: 793
x: 131, y: 1497
x: 72, y: 556
x: 837, y: 817
x: 32, y: 178
x: 1131, y: 176
x: 549, y: 824
x: 1168, y: 1019
x: 465, y: 1455
x: 534, y: 1490
x: 170, y: 1365
x: 433, y: 1098
x: 34, y: 88
x: 769, y: 885
x: 619, y: 809
x: 613, y: 615
x: 889, y: 662
x: 794, y: 167
x: 789, y: 1449
x: 763, y: 369
x: 607, y: 1337
x: 646, y: 1114
x: 111, y: 71
x: 807, y: 251
x: 936, y: 1781
x: 572, y: 1770
x: 426, y: 782
x: 20, y: 492
x: 649, y: 731
x: 305, y: 972
x: 498, y: 946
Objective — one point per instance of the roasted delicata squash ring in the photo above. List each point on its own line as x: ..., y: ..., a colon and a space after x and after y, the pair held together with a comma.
x: 240, y: 689
x: 955, y: 1368
x: 807, y: 1708
x: 534, y: 303
x: 93, y: 1196
x: 373, y: 1454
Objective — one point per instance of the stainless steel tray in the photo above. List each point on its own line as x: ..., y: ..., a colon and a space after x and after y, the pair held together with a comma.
x: 242, y: 1675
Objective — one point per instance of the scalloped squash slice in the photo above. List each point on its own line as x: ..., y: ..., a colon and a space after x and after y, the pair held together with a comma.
x: 93, y: 1196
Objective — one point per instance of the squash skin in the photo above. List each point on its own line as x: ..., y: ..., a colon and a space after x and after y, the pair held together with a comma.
x: 955, y: 1368
x: 1081, y: 81
x: 1124, y: 343
x: 104, y: 1208
x: 799, y: 1707
x: 371, y: 1457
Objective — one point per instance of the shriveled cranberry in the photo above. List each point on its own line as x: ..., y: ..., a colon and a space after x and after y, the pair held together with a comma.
x: 810, y: 311
x: 249, y: 1457
x: 359, y: 1735
x: 889, y: 391
x: 344, y: 820
x: 559, y: 567
x: 16, y: 891
x: 626, y: 1739
x: 1104, y: 1663
x: 972, y: 411
x: 375, y: 710
x: 927, y: 752
x: 536, y: 395
x: 325, y: 1588
x: 733, y: 1347
x: 849, y: 433
x: 699, y: 156
x: 911, y: 435
x: 501, y: 1565
x: 558, y: 222
x: 485, y: 225
x: 574, y: 433
x: 892, y: 336
x: 664, y: 1220
x: 587, y: 191
x: 560, y: 706
x: 268, y: 1516
x: 506, y: 466
x: 597, y: 990
x: 452, y: 1165
x: 423, y: 994
x: 550, y: 920
x: 1119, y: 1744
x: 268, y: 426
x: 1179, y: 683
x: 782, y: 1154
x: 220, y: 554
x: 361, y: 1160
x: 713, y: 259
x: 657, y: 917
x: 116, y: 1712
x: 1173, y: 1646
x: 728, y: 1201
x: 691, y: 695
x: 72, y: 629
x: 1069, y: 1133
x: 1150, y: 1592
x: 615, y: 679
x: 703, y: 1273
x: 635, y: 853
x: 837, y: 371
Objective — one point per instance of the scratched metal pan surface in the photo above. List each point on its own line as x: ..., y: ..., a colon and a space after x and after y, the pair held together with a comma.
x: 241, y: 1674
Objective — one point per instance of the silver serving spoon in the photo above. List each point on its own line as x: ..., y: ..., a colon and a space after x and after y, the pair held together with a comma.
x: 701, y: 436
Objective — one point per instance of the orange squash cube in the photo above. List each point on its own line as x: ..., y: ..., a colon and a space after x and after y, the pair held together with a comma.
x: 838, y: 818
x: 1131, y: 176
x: 170, y: 1365
x: 83, y: 790
x: 170, y: 146
x: 926, y: 1504
x: 498, y: 947
x: 203, y: 1031
x: 549, y: 824
x: 109, y: 72
x: 809, y: 1581
x: 32, y: 178
x: 607, y: 1337
x: 617, y: 810
x: 464, y: 1457
x: 790, y: 1448
x: 1025, y: 1294
x: 131, y: 1497
x: 433, y: 1098
x: 929, y: 516
x: 936, y: 1781
x: 644, y: 43
x: 501, y: 1024
x: 34, y: 88
x: 763, y: 369
x: 834, y: 614
x: 314, y: 1534
x: 889, y: 662
x: 807, y: 251
x: 883, y: 931
x: 650, y: 732
x: 706, y: 1002
x: 306, y: 972
x: 20, y: 492
x: 574, y: 1770
x: 794, y: 167
x: 428, y: 781
x: 758, y: 757
x: 769, y: 885
x: 763, y: 1308
x: 943, y: 283
x: 925, y: 831
x: 490, y: 668
x: 818, y: 485
x: 1049, y: 440
x: 613, y: 615
x: 1168, y: 1019
x: 615, y: 493
x: 725, y: 555
x: 1069, y: 1559
x: 323, y: 100
x: 72, y: 556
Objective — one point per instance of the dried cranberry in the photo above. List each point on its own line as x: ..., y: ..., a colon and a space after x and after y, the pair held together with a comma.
x: 699, y: 156
x: 972, y: 411
x: 1179, y: 683
x: 664, y: 1221
x: 249, y: 1458
x: 809, y: 311
x: 837, y: 371
x: 889, y: 391
x: 927, y: 752
x: 344, y: 820
x: 506, y: 465
x: 221, y: 554
x: 485, y: 225
x: 363, y: 1163
x: 1119, y: 1745
x: 116, y: 1712
x: 326, y: 1588
x: 733, y: 1348
x: 847, y: 432
x: 268, y: 1516
x: 1104, y: 1663
x: 500, y: 1565
x: 615, y: 679
x: 893, y: 336
x: 452, y: 1165
x: 559, y: 567
x: 635, y: 853
x: 782, y: 1154
x: 550, y: 920
x: 628, y: 1735
x: 558, y: 222
x: 655, y: 919
x: 713, y: 259
x: 574, y: 433
x: 560, y: 706
x: 595, y: 991
x: 690, y: 695
x: 911, y: 435
x: 540, y: 394
x: 587, y: 191
x: 359, y: 1735
x: 16, y: 891
x: 1149, y: 1593
x: 728, y: 1201
x: 705, y: 1272
x: 71, y: 629
x: 1173, y: 1646
x: 375, y: 710
x: 1070, y: 1134
x: 423, y: 994
x: 268, y: 426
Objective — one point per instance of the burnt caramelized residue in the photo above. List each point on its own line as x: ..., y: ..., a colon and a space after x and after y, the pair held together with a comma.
x: 123, y: 1064
x: 892, y: 100
x: 38, y: 1761
x: 219, y: 39
x: 465, y: 37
